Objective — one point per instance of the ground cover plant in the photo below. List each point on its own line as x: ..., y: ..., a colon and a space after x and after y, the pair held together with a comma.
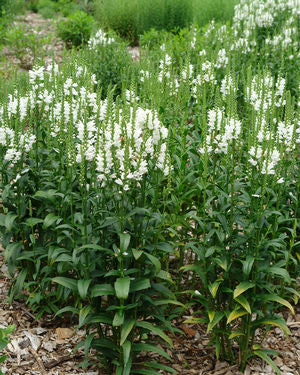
x: 131, y: 193
x: 4, y: 340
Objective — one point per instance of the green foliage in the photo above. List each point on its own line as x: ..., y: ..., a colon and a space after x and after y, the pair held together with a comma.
x: 219, y: 10
x: 26, y: 45
x: 186, y: 174
x: 8, y: 9
x: 132, y: 18
x: 47, y: 8
x: 77, y: 29
x: 113, y: 66
x: 119, y: 16
x: 4, y: 340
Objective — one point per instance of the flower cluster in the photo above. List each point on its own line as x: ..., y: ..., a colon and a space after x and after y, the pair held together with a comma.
x: 100, y: 38
x: 123, y: 143
x: 221, y: 132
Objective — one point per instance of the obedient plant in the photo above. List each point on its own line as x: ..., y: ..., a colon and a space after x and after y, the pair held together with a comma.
x: 84, y: 181
x: 195, y: 153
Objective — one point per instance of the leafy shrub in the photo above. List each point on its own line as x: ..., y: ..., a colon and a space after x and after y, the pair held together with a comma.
x: 118, y: 15
x: 76, y: 30
x: 163, y: 14
x: 131, y: 18
x: 27, y: 45
x: 8, y: 8
x: 46, y: 8
x: 219, y: 10
x: 67, y: 7
x: 112, y: 64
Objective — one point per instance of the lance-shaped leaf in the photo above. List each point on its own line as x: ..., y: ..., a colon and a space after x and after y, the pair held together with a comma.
x: 213, y: 288
x: 244, y: 302
x: 122, y: 285
x: 275, y: 298
x: 263, y: 355
x: 66, y: 282
x: 83, y: 286
x: 217, y: 317
x: 126, y: 329
x: 102, y: 290
x: 235, y: 314
x: 242, y: 287
x: 124, y: 241
x: 152, y: 328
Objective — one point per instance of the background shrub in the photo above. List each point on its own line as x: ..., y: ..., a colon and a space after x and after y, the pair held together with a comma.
x: 219, y: 10
x: 112, y: 64
x: 131, y: 18
x: 119, y: 15
x: 76, y: 30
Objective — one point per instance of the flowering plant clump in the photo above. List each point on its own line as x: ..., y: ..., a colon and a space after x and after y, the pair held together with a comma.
x: 177, y: 173
x: 80, y: 214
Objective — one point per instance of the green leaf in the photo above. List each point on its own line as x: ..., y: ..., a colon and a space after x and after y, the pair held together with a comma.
x: 196, y: 320
x: 72, y: 309
x: 118, y: 319
x: 126, y: 329
x: 235, y: 334
x: 95, y: 247
x: 247, y: 265
x: 50, y: 194
x: 126, y: 351
x: 124, y: 241
x: 263, y: 355
x: 122, y: 285
x: 83, y: 313
x: 160, y: 367
x: 32, y: 221
x: 137, y: 253
x: 49, y: 220
x: 210, y: 251
x: 280, y: 272
x: 83, y: 286
x: 155, y: 262
x: 213, y: 288
x: 141, y: 347
x: 164, y: 275
x: 102, y: 290
x: 9, y: 220
x: 11, y: 255
x: 143, y: 371
x: 139, y: 284
x: 167, y: 302
x: 66, y: 282
x: 217, y: 317
x: 275, y: 298
x: 242, y: 287
x: 243, y: 301
x: 100, y: 318
x: 235, y: 314
x: 150, y: 327
x: 273, y: 322
x: 223, y: 263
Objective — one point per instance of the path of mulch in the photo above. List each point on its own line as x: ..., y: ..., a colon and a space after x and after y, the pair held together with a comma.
x: 43, y: 29
x: 34, y: 23
x: 46, y: 346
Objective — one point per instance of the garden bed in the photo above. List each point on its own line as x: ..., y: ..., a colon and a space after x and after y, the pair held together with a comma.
x: 46, y: 346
